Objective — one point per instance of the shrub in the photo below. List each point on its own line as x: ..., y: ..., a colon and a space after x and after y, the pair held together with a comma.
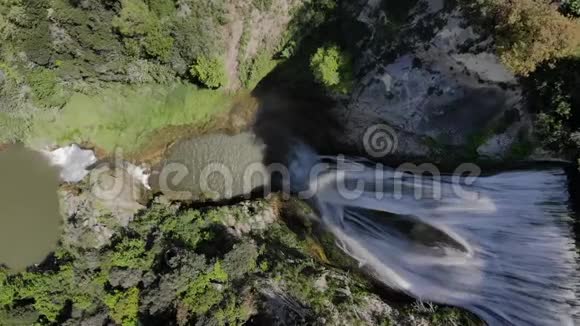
x: 50, y: 291
x: 187, y: 228
x: 135, y: 19
x: 11, y: 16
x: 529, y: 32
x: 45, y: 87
x: 162, y: 8
x: 551, y: 126
x: 43, y: 83
x: 252, y: 72
x: 7, y: 291
x: 234, y: 314
x: 141, y: 28
x: 131, y: 253
x: 553, y: 93
x: 263, y: 5
x: 573, y: 6
x: 12, y: 128
x: 124, y: 307
x: 201, y: 295
x: 158, y: 44
x: 332, y: 68
x: 199, y: 33
x: 210, y: 72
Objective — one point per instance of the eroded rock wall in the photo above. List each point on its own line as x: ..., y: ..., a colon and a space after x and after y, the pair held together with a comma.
x: 435, y: 80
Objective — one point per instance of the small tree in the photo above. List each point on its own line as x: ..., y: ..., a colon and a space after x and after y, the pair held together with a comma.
x: 135, y: 19
x: 572, y: 7
x: 529, y: 32
x: 142, y: 29
x: 209, y: 71
x: 158, y: 44
x: 332, y: 68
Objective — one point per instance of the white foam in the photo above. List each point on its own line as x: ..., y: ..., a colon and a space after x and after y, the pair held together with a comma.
x: 73, y: 162
x: 139, y: 173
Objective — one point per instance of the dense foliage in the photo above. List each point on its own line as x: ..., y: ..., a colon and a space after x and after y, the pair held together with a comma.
x: 87, y: 42
x: 116, y: 280
x: 573, y: 7
x: 530, y: 32
x: 180, y: 266
x: 209, y: 71
x: 554, y: 96
x: 61, y: 57
x: 332, y: 68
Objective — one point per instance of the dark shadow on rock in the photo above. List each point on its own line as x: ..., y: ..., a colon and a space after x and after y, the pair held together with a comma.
x: 283, y: 120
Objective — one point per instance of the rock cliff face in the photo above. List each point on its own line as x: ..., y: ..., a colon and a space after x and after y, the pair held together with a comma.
x: 426, y: 73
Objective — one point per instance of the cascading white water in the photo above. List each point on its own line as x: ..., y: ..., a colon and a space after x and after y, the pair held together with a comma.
x: 501, y: 247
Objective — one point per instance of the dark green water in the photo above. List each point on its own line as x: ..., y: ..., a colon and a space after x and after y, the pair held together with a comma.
x: 30, y: 221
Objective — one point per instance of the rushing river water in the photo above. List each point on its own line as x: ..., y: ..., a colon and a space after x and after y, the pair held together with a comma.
x: 502, y: 247
x: 30, y: 218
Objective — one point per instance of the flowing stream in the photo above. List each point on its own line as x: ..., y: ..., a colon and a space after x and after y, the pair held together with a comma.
x: 501, y: 246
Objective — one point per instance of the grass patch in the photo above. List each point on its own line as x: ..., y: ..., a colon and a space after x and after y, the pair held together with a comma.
x: 124, y: 117
x: 253, y: 71
x: 12, y: 128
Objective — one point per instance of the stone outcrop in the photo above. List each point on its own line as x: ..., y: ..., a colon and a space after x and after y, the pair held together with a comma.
x: 435, y: 81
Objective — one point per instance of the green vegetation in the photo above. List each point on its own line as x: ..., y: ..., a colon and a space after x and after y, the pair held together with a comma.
x: 234, y: 314
x: 43, y: 83
x: 153, y: 269
x: 541, y: 44
x: 49, y: 291
x: 158, y: 44
x: 135, y: 19
x: 554, y: 96
x: 13, y: 128
x: 96, y: 279
x: 443, y: 315
x: 211, y: 72
x: 113, y: 73
x: 124, y: 306
x: 201, y: 295
x: 573, y: 7
x: 530, y: 32
x: 263, y: 5
x: 84, y: 44
x: 141, y: 26
x: 179, y: 229
x: 254, y: 71
x: 7, y: 291
x: 126, y: 116
x: 332, y: 68
x: 131, y: 253
x: 162, y: 8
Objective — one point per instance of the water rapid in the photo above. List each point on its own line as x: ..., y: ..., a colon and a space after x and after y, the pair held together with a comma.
x: 501, y: 246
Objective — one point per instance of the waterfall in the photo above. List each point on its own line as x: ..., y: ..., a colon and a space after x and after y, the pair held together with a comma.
x: 501, y: 246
